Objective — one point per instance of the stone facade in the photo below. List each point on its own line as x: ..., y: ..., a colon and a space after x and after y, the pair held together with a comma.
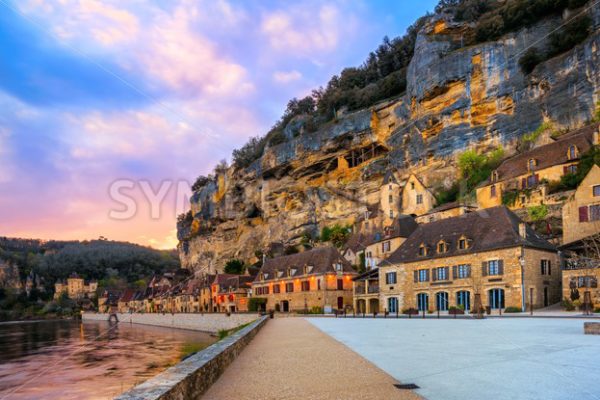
x: 512, y: 280
x: 76, y: 288
x: 417, y: 199
x: 581, y: 213
x: 582, y: 280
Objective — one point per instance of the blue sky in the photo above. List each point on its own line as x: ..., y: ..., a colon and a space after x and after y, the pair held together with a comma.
x: 96, y: 91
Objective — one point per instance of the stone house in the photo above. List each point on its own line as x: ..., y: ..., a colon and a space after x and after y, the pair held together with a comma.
x: 318, y: 278
x: 127, y: 301
x: 416, y: 198
x: 490, y: 253
x: 383, y: 242
x: 205, y: 295
x: 108, y: 301
x: 581, y: 213
x: 581, y: 275
x: 76, y: 288
x: 234, y: 293
x: 389, y: 198
x: 219, y: 288
x: 354, y: 248
x: 524, y: 177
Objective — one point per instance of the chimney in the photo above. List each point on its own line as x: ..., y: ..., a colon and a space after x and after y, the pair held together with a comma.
x: 523, y: 230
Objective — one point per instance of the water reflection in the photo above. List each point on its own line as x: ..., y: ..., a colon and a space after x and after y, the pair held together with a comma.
x: 91, y: 360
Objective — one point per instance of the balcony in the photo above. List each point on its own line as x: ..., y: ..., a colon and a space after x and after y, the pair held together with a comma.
x: 359, y: 289
x: 373, y: 289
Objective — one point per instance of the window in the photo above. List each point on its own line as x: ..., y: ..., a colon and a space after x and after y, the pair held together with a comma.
x: 340, y: 284
x: 583, y: 214
x: 531, y: 164
x: 596, y: 190
x: 289, y: 287
x: 266, y: 290
x: 423, y: 302
x: 391, y: 213
x: 532, y: 180
x: 423, y: 275
x: 587, y: 282
x: 419, y: 199
x: 462, y: 244
x: 442, y: 247
x: 441, y: 301
x: 572, y: 152
x: 390, y: 188
x: 390, y: 278
x: 412, y: 185
x: 338, y: 267
x: 422, y: 250
x: 495, y: 176
x: 595, y: 212
x: 496, y: 298
x: 462, y: 271
x: 390, y: 198
x: 571, y: 169
x: 463, y: 298
x: 305, y: 286
x: 494, y: 267
x: 440, y: 274
x: 277, y: 288
x: 318, y: 284
x: 386, y: 246
x: 393, y: 304
x: 545, y: 267
x: 493, y: 191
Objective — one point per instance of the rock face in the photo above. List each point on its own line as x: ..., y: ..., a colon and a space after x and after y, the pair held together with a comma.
x: 456, y: 98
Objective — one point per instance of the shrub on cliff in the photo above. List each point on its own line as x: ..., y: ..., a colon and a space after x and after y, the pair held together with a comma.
x: 476, y: 168
x: 337, y: 234
x: 234, y: 266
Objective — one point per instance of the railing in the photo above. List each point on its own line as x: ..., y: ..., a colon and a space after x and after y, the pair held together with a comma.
x: 359, y: 290
x: 373, y: 289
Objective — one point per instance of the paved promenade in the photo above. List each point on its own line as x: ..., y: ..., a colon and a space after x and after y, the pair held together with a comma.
x: 292, y: 359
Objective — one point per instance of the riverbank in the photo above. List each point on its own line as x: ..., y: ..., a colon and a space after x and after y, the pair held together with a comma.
x: 211, y: 323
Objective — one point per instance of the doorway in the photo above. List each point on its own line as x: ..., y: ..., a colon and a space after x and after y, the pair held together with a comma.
x: 285, y: 306
x: 340, y: 303
x: 546, y: 300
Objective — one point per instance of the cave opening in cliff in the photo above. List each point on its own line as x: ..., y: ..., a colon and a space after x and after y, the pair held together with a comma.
x: 358, y: 156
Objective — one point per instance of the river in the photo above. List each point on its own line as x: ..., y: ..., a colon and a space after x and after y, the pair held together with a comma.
x: 86, y: 360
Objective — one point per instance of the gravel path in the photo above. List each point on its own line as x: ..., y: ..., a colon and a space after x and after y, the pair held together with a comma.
x: 292, y: 359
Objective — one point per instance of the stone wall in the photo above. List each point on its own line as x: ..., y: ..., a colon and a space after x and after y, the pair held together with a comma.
x: 193, y: 376
x: 197, y: 322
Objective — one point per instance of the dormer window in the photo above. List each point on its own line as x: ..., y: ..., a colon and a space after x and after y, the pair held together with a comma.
x: 572, y: 152
x: 289, y: 272
x: 293, y: 271
x: 463, y: 244
x: 532, y: 164
x: 494, y: 176
x: 338, y: 267
x: 279, y: 274
x: 308, y: 269
x: 442, y: 247
x: 422, y: 250
x: 265, y: 276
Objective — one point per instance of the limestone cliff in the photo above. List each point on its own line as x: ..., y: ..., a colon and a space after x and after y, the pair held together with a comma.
x: 457, y: 97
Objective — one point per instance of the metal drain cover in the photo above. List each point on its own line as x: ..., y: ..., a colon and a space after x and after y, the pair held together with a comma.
x: 406, y: 386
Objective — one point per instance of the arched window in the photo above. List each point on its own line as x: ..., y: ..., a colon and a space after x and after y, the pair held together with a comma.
x: 423, y: 302
x: 441, y: 301
x: 463, y: 298
x: 496, y: 298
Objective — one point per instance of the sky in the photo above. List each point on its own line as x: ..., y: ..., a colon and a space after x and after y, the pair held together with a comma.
x: 109, y: 110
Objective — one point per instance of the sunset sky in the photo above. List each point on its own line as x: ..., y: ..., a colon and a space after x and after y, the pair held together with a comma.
x: 153, y: 92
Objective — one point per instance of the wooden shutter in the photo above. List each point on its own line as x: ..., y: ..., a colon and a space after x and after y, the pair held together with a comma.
x: 524, y: 183
x: 500, y: 267
x: 433, y: 275
x: 484, y: 268
x: 447, y: 273
x: 565, y: 170
x: 468, y: 271
x: 454, y: 271
x: 583, y: 214
x: 427, y: 275
x: 416, y: 276
x: 549, y: 267
x: 536, y: 178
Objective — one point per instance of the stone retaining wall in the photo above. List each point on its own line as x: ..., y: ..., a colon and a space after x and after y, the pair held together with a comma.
x: 193, y: 376
x: 198, y: 322
x: 591, y: 328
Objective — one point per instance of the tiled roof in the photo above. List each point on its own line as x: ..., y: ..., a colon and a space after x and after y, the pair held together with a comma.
x: 488, y: 229
x: 321, y: 259
x: 449, y: 206
x: 555, y: 153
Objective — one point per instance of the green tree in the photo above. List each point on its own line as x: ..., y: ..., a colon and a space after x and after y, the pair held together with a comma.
x: 234, y: 266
